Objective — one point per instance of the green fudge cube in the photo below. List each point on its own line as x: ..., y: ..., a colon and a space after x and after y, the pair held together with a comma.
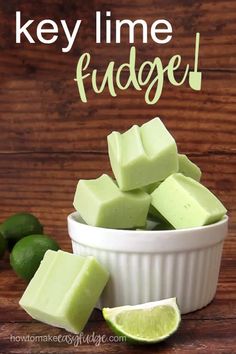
x: 64, y: 290
x: 188, y: 168
x: 151, y: 187
x: 101, y: 203
x: 186, y: 203
x: 142, y: 155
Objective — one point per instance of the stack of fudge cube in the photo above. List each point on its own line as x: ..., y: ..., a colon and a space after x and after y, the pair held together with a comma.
x: 154, y: 187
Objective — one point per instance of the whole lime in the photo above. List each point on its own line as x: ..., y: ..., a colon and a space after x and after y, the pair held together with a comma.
x: 27, y: 254
x: 18, y: 226
x: 3, y: 245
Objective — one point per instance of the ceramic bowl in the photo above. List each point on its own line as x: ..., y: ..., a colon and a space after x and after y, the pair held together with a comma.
x: 153, y: 265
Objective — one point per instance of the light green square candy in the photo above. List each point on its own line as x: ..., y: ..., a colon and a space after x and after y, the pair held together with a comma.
x: 101, y: 203
x: 142, y: 155
x: 64, y: 290
x: 186, y: 203
x: 188, y: 168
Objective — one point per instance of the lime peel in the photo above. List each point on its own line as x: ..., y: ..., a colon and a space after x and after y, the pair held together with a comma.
x: 151, y: 322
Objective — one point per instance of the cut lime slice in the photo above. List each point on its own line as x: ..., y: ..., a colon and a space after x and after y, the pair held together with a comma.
x: 146, y: 323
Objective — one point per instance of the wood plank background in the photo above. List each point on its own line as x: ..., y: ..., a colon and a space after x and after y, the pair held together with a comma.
x: 49, y: 140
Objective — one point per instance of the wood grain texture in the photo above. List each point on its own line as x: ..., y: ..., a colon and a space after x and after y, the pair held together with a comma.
x: 215, y: 20
x: 37, y: 115
x: 214, y: 339
x: 49, y: 140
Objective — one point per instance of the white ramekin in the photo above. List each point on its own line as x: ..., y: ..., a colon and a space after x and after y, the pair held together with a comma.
x: 153, y: 265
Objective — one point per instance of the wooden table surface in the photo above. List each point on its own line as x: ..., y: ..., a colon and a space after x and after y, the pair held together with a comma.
x: 49, y: 140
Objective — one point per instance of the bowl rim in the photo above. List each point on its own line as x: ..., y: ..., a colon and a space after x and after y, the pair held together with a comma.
x: 145, y: 241
x: 72, y: 215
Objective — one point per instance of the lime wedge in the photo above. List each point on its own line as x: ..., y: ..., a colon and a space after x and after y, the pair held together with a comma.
x: 146, y: 323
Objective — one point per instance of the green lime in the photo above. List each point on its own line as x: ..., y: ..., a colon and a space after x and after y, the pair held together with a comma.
x: 27, y: 254
x: 146, y: 323
x: 18, y: 226
x: 3, y: 244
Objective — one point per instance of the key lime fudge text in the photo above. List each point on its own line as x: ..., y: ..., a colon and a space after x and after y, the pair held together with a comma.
x: 147, y: 77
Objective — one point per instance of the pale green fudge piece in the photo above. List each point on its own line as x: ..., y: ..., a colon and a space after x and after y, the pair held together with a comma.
x: 155, y: 218
x: 142, y: 155
x: 151, y: 187
x: 64, y: 290
x: 101, y: 203
x: 186, y: 203
x: 188, y: 168
x: 154, y: 214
